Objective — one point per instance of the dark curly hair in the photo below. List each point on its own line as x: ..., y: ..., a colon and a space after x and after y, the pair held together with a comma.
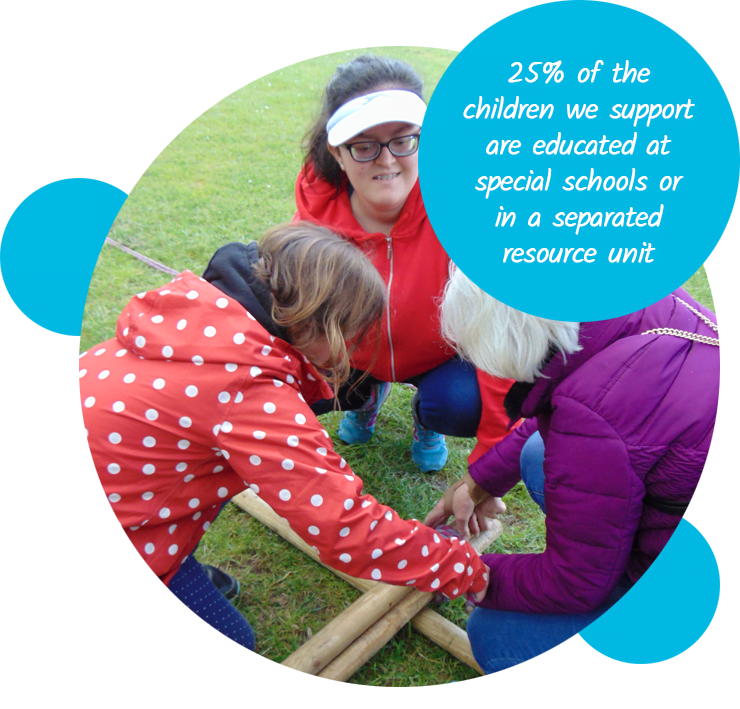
x: 362, y: 75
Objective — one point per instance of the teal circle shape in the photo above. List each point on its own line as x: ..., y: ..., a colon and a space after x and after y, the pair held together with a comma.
x: 50, y: 247
x: 463, y: 173
x: 642, y: 638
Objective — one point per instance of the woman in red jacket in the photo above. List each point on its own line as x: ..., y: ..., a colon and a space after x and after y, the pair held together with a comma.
x: 206, y: 389
x: 360, y: 178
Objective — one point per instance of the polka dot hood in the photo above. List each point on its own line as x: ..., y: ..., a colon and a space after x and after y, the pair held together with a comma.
x: 194, y: 400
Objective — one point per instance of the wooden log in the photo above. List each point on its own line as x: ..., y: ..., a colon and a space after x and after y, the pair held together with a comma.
x: 431, y: 624
x: 262, y: 512
x: 339, y: 633
x: 345, y: 664
x: 447, y: 635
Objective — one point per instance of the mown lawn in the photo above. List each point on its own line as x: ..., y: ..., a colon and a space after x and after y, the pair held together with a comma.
x: 228, y: 177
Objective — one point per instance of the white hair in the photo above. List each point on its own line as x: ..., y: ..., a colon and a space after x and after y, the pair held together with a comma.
x: 496, y: 338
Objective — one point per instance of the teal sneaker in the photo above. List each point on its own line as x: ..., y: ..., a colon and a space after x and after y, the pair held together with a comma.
x: 429, y: 449
x: 359, y: 426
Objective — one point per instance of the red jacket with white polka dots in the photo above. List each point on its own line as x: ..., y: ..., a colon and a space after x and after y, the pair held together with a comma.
x: 193, y: 400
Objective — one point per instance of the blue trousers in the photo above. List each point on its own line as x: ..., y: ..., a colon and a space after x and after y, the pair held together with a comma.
x: 502, y: 639
x: 448, y: 400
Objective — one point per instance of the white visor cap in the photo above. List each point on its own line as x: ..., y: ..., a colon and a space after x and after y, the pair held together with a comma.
x: 370, y: 110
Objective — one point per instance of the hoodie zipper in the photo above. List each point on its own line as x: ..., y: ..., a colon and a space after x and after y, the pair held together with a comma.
x: 388, y: 305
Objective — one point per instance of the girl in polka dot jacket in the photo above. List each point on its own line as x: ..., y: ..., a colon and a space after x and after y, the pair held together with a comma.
x: 206, y: 389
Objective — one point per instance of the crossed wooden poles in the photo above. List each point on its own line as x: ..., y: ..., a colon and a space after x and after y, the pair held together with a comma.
x: 346, y: 643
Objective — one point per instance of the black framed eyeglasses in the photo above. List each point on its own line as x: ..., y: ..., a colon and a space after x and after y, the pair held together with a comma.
x: 367, y: 150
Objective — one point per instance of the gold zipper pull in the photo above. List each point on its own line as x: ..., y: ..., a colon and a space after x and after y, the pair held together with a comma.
x: 388, y: 239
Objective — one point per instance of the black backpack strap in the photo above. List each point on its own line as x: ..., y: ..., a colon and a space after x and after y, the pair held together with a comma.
x: 670, y: 507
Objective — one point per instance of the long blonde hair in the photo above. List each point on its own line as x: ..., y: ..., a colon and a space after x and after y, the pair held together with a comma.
x: 495, y: 337
x: 322, y: 286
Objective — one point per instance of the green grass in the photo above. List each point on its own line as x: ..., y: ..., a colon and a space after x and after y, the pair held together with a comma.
x: 228, y: 177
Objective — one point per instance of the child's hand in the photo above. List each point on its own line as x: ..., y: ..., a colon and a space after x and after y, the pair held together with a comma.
x: 478, y: 597
x: 448, y: 532
x: 472, y: 598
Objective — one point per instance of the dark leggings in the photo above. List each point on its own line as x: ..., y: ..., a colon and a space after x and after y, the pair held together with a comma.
x: 448, y: 401
x: 191, y: 585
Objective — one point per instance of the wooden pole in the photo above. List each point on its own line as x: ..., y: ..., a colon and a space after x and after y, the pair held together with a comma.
x: 262, y: 512
x: 447, y: 635
x: 338, y: 634
x: 431, y: 624
x: 345, y: 664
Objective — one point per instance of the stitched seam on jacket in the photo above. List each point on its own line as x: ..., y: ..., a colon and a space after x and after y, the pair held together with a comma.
x: 619, y: 374
x: 631, y: 495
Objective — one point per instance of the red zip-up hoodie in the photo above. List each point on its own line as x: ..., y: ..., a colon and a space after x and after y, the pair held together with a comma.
x: 415, y: 268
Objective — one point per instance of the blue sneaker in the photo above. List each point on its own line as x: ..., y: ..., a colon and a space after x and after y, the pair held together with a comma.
x: 359, y: 426
x: 429, y: 449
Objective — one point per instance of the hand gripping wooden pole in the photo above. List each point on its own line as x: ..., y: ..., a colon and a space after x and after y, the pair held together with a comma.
x: 428, y: 622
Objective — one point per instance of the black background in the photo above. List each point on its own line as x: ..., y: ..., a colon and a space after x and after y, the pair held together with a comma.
x: 103, y: 105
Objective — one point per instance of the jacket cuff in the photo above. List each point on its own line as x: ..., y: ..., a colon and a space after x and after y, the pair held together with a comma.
x: 498, y: 470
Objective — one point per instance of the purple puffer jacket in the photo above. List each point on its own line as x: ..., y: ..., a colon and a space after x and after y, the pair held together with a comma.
x: 629, y: 414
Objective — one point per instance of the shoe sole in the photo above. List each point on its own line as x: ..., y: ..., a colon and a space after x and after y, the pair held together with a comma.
x: 231, y: 593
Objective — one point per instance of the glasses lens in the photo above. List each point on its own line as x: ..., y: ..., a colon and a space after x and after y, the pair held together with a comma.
x: 406, y: 145
x: 364, y: 152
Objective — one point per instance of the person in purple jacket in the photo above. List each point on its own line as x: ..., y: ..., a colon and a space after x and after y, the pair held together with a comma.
x: 619, y: 416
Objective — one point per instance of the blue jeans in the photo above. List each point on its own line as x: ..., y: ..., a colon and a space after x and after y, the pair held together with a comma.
x: 448, y: 400
x: 502, y: 639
